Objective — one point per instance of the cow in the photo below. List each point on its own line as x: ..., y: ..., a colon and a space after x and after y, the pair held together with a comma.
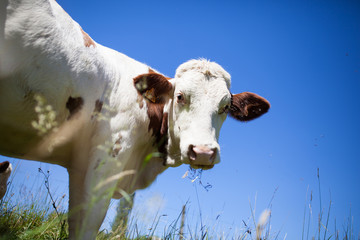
x: 5, y: 171
x: 114, y: 123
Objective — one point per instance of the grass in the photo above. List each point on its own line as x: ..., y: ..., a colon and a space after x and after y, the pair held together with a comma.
x: 29, y: 219
x: 41, y: 217
x: 323, y: 219
x: 30, y: 216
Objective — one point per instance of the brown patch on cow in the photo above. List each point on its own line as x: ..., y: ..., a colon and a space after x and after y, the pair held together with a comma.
x: 97, y: 108
x: 152, y: 71
x: 4, y: 166
x: 207, y: 73
x: 117, y: 148
x: 74, y: 105
x: 88, y: 42
x: 247, y: 106
x: 163, y: 134
x: 158, y: 125
x: 156, y: 89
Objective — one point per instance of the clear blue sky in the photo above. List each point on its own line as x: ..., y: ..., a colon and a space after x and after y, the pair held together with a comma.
x: 303, y: 56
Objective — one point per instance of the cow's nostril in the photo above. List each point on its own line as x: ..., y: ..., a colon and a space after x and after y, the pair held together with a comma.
x: 191, y: 153
x: 213, y: 156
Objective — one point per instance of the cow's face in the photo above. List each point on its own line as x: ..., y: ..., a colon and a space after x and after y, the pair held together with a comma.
x: 199, y: 106
x: 197, y: 102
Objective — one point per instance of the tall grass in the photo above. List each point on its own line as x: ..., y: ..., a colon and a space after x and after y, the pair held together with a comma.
x: 323, y: 219
x: 41, y: 216
x: 35, y: 214
x: 32, y: 214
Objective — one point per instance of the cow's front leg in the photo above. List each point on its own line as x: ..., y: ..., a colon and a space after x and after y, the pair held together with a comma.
x: 90, y: 194
x: 76, y: 201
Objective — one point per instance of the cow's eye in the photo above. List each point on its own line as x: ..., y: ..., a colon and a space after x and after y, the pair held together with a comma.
x: 224, y: 109
x: 180, y: 98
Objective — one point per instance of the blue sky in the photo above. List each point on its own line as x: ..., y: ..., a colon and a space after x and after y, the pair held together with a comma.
x: 303, y: 56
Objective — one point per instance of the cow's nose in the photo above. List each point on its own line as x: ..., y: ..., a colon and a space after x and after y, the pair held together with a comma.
x: 202, y: 155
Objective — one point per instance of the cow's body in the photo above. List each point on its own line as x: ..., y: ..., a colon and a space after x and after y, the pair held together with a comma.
x: 46, y: 54
x: 112, y: 112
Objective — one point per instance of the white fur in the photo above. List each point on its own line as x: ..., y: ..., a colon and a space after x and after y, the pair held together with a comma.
x: 42, y: 52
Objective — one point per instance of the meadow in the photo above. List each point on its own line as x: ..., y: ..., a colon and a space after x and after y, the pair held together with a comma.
x: 30, y: 213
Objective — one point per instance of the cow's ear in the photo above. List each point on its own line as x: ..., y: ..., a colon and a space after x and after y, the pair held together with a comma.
x: 247, y: 106
x: 153, y: 87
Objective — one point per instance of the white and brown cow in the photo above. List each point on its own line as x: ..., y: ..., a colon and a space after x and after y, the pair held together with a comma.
x: 113, y: 122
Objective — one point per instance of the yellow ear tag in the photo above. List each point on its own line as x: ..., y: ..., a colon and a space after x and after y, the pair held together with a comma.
x: 150, y: 94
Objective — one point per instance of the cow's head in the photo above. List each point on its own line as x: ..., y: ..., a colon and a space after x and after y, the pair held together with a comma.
x: 191, y: 108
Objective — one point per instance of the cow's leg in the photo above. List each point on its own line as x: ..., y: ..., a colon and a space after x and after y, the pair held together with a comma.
x: 76, y: 201
x: 90, y: 194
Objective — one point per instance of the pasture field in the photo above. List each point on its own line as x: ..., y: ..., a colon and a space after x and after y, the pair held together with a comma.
x: 35, y: 214
x: 37, y: 217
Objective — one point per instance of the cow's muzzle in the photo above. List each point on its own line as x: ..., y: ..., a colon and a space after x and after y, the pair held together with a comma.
x: 202, y: 156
